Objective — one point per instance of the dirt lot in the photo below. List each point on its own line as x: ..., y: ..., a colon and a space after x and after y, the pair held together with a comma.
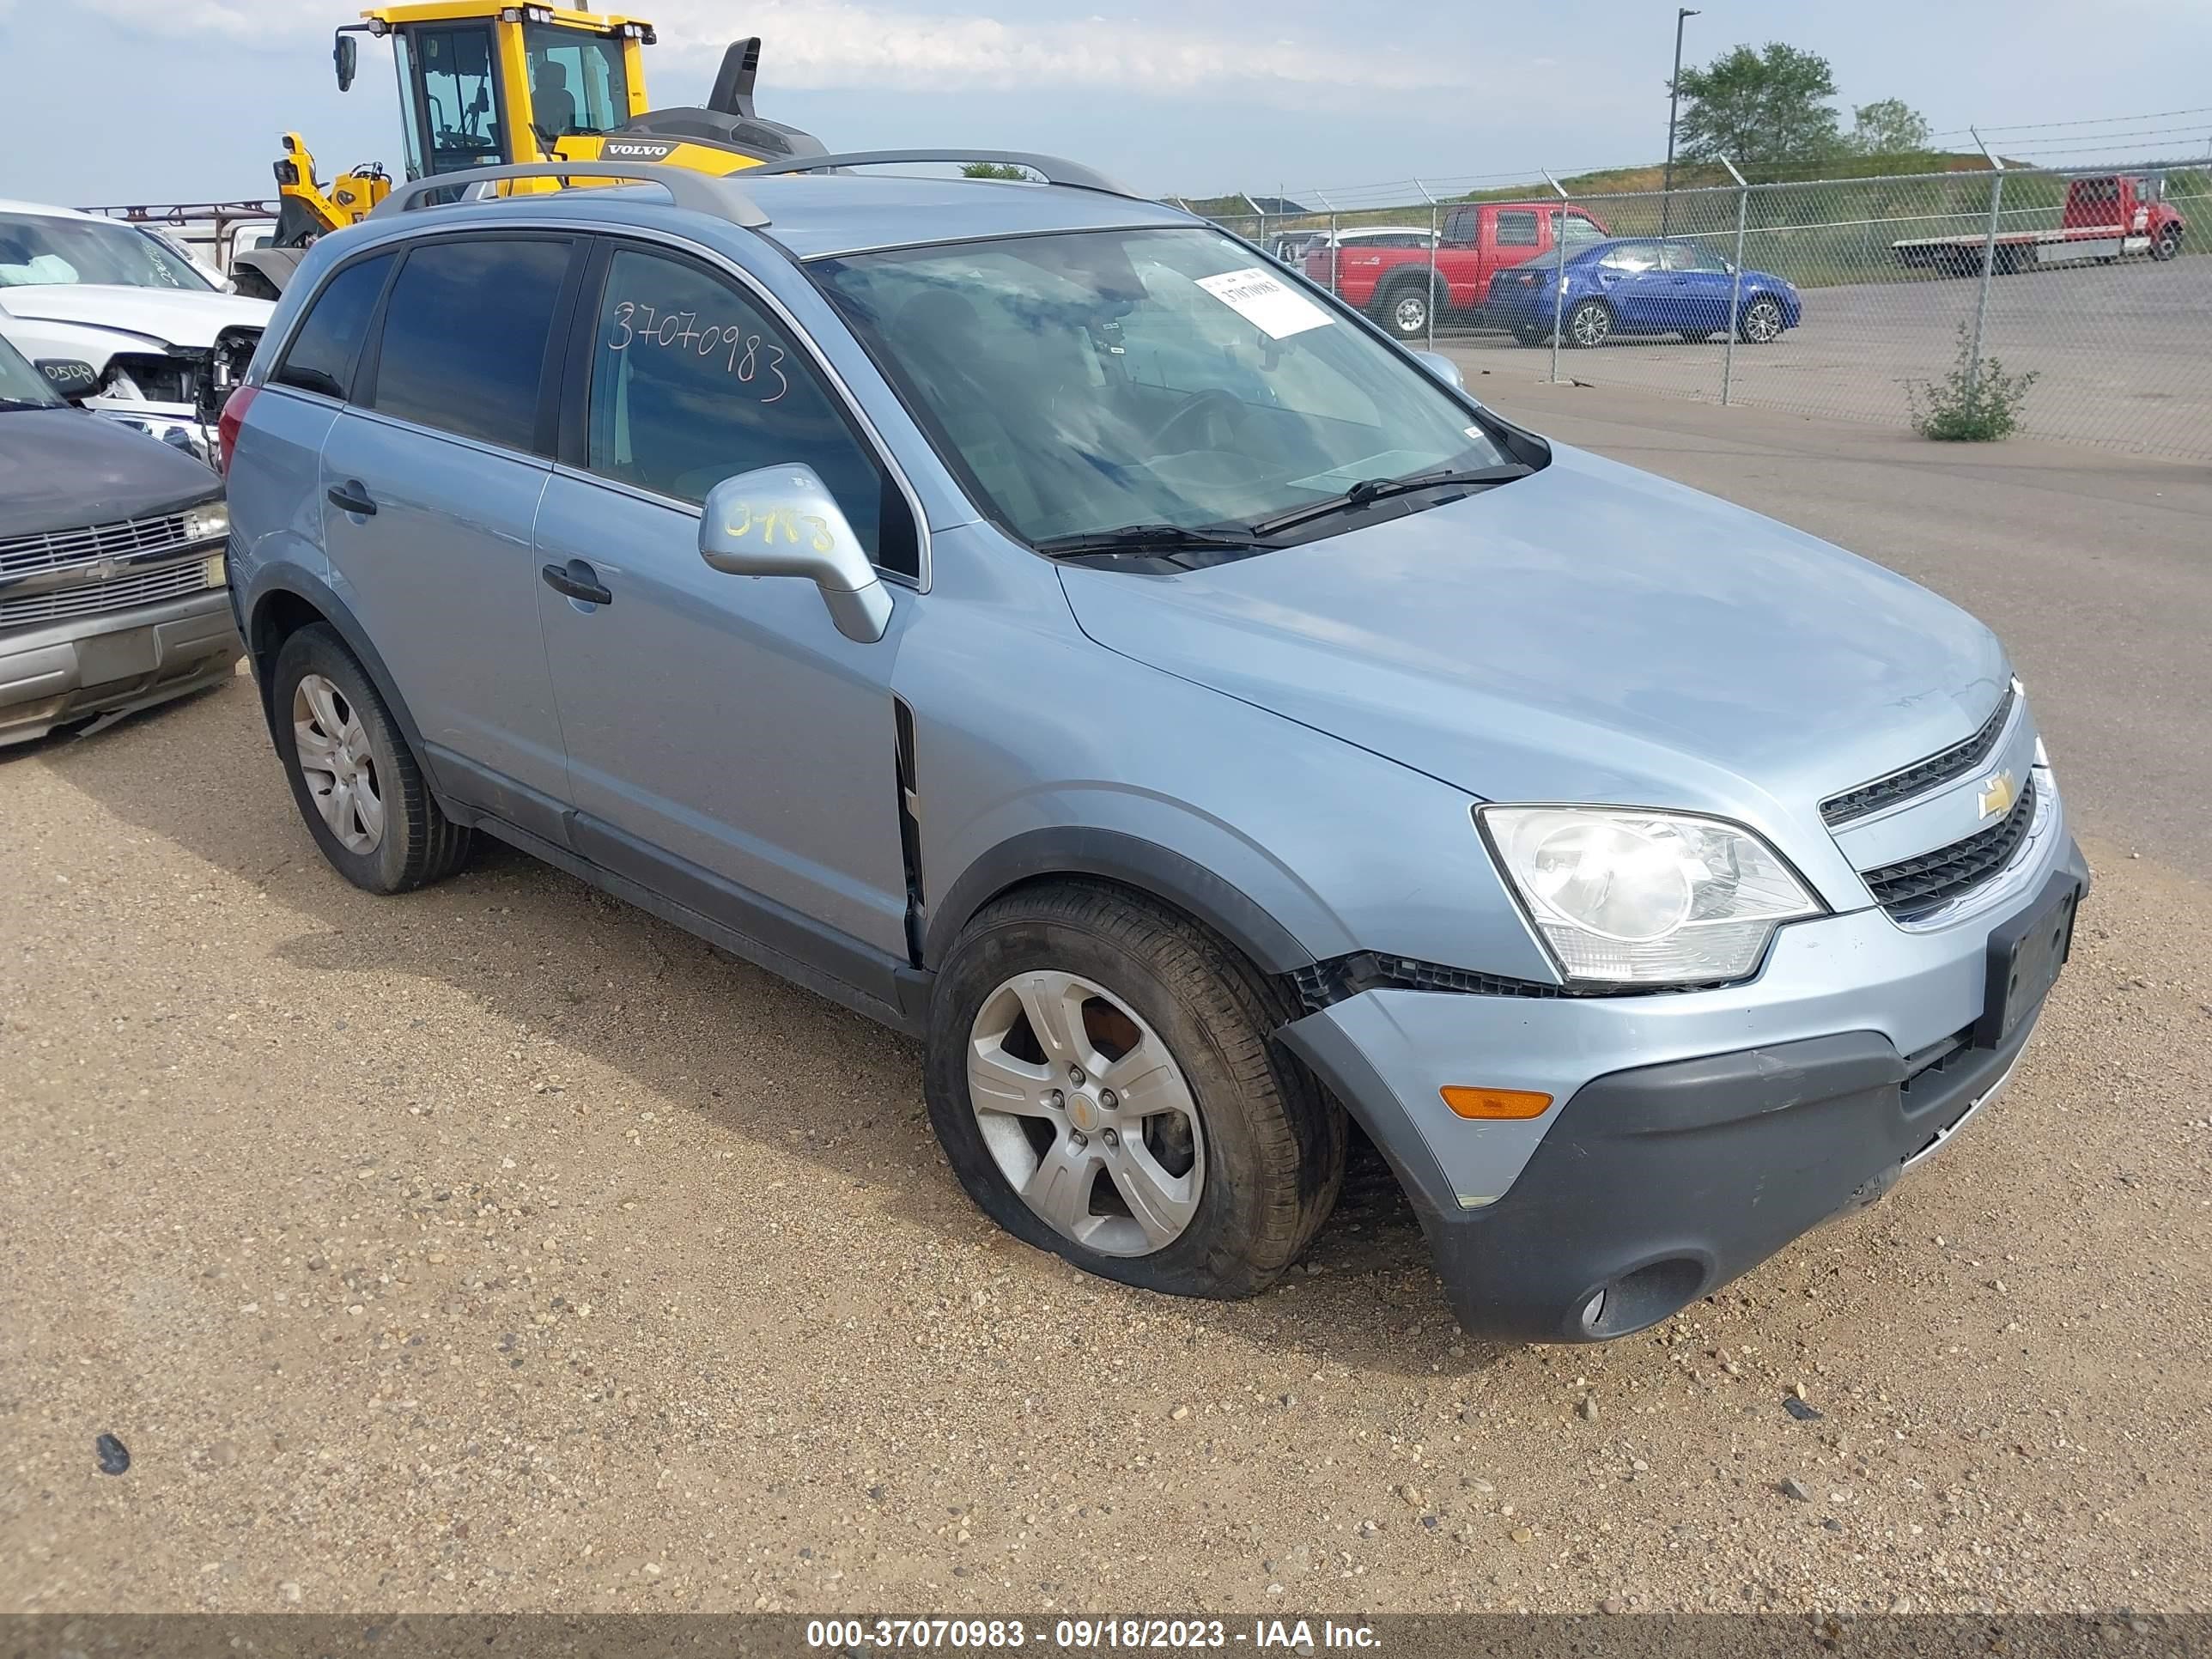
x: 500, y: 1248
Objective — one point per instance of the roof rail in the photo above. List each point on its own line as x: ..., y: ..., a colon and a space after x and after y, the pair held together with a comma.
x: 1055, y: 170
x: 702, y: 192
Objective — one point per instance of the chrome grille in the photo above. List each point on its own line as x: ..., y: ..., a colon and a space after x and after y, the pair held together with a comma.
x: 1916, y: 885
x: 58, y: 550
x: 1921, y: 775
x: 171, y: 581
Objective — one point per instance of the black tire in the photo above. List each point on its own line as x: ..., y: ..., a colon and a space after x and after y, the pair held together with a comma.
x: 419, y: 844
x: 1761, y: 321
x: 1274, y: 1142
x: 2167, y: 243
x: 1404, y: 310
x: 1588, y: 323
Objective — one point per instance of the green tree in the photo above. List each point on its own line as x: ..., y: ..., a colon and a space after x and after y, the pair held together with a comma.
x: 1888, y: 126
x: 1760, y: 107
x: 991, y: 170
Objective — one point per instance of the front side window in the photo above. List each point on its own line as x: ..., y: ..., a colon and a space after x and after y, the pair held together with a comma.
x: 1516, y: 227
x: 459, y: 98
x: 692, y: 384
x: 577, y: 82
x: 321, y: 355
x: 464, y: 337
x: 1088, y: 381
x: 37, y: 249
x: 1688, y: 256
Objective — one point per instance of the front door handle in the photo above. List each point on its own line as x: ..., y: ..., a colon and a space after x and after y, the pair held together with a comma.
x: 577, y: 581
x: 352, y: 497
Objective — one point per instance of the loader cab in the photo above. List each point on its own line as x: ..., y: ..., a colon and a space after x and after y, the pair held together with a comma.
x: 481, y: 85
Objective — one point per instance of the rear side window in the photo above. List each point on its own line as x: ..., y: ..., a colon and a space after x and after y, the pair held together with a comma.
x: 691, y: 384
x: 1516, y: 227
x: 464, y: 337
x: 322, y: 353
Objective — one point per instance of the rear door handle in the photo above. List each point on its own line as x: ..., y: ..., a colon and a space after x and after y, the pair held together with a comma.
x: 577, y: 581
x: 352, y: 497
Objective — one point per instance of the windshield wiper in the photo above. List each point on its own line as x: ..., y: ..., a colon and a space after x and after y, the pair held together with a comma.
x: 1141, y: 538
x: 1368, y: 491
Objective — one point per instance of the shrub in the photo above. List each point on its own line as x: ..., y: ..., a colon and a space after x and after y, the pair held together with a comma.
x: 1969, y: 407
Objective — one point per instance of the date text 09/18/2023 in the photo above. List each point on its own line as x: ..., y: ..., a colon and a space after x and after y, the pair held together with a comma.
x: 1298, y: 1636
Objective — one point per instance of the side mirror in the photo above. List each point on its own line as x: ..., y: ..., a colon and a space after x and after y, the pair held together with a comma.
x: 345, y: 57
x: 1442, y: 367
x: 783, y: 521
x: 73, y: 379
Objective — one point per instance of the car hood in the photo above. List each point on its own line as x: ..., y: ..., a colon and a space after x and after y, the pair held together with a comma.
x: 167, y: 317
x: 1591, y: 634
x: 61, y: 469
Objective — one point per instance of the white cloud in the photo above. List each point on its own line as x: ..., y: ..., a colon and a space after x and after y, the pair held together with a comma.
x: 824, y: 44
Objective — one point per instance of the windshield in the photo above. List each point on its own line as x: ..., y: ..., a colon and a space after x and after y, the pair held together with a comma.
x: 22, y: 386
x: 1088, y: 381
x: 35, y: 249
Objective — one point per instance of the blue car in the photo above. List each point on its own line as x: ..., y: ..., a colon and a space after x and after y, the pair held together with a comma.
x: 1641, y: 286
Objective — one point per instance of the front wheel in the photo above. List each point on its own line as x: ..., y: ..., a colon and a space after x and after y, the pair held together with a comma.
x: 1760, y: 322
x: 1100, y: 1075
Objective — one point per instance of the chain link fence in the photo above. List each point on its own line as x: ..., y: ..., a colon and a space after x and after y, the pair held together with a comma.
x: 2081, y: 299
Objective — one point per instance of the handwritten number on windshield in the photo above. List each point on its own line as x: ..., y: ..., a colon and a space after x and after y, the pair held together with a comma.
x: 747, y: 357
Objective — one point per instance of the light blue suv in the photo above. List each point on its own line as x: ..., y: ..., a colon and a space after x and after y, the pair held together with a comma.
x: 1016, y: 612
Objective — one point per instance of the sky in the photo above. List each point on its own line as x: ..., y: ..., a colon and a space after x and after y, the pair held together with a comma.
x: 111, y: 101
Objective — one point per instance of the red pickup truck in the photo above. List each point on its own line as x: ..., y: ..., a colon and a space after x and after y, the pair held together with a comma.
x: 1398, y: 286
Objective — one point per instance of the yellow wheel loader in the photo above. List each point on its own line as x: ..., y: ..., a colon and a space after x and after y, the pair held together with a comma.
x: 482, y: 84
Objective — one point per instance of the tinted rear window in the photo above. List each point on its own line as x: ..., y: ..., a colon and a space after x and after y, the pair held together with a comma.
x: 322, y: 355
x: 464, y: 337
x: 1516, y: 227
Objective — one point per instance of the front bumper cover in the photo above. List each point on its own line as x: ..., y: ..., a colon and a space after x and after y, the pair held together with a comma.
x: 113, y: 664
x: 1654, y: 1185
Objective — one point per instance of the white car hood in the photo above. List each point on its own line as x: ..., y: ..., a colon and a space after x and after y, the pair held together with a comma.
x: 167, y: 317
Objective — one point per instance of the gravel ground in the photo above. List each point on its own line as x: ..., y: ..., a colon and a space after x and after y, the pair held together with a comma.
x: 501, y: 1248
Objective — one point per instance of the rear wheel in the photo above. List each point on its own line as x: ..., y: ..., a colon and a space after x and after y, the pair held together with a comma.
x: 1100, y: 1075
x: 1405, y: 312
x: 2167, y: 243
x: 1590, y: 324
x: 355, y: 781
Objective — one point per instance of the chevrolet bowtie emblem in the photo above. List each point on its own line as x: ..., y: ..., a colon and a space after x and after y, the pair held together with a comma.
x: 1998, y: 793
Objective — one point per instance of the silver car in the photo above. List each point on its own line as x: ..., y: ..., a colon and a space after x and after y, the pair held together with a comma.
x: 1018, y: 612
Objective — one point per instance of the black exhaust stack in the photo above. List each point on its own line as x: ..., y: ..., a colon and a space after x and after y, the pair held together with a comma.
x: 733, y: 82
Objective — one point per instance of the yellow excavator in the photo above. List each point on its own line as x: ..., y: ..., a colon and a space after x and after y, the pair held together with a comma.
x: 483, y: 84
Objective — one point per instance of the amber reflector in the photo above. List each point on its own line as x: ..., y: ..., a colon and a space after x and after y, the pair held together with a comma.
x: 1494, y: 1103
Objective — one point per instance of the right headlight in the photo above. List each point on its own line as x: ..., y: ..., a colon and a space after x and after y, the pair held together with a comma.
x: 1627, y: 897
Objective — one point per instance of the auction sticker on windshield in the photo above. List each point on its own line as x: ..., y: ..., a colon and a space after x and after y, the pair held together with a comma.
x: 1278, y: 310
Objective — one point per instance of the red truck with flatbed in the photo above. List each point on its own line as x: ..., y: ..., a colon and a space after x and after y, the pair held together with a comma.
x: 2113, y: 216
x: 1400, y: 287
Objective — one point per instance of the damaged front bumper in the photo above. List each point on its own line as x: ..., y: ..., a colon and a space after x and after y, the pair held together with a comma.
x: 1691, y: 1135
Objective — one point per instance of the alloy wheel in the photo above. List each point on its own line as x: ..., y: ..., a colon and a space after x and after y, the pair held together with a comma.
x: 336, y: 761
x: 1590, y: 324
x: 1762, y: 321
x: 1086, y: 1114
